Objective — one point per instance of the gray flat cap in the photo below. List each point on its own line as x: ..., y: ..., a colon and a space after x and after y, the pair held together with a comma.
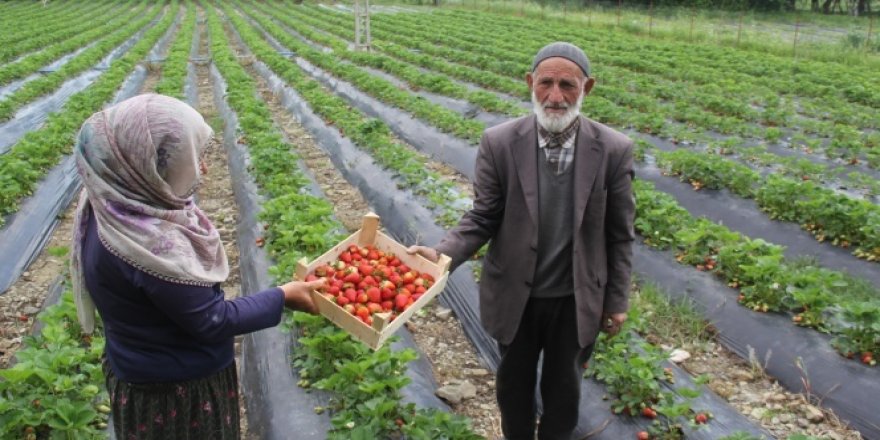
x: 565, y: 50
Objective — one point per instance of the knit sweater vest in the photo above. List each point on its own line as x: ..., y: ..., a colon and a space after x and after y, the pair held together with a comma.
x: 553, y: 272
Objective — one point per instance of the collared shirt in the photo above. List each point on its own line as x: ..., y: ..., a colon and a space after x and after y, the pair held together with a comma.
x: 559, y: 147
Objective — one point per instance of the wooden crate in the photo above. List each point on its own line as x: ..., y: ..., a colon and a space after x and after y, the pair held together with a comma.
x: 374, y: 336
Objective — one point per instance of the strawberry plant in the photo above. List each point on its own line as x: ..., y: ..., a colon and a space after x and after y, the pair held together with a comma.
x: 174, y: 69
x: 366, y: 387
x: 699, y: 245
x: 861, y: 333
x: 55, y: 389
x: 631, y: 374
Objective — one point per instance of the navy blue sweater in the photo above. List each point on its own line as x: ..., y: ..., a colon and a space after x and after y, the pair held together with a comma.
x: 159, y: 331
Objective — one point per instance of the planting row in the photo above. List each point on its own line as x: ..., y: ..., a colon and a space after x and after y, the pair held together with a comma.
x: 817, y: 297
x: 774, y: 73
x: 366, y: 402
x: 174, y: 68
x: 828, y: 215
x: 606, y: 110
x: 268, y: 53
x: 53, y: 21
x: 833, y: 221
x: 468, y: 35
x: 610, y: 103
x: 636, y: 88
x: 39, y: 40
x: 81, y: 62
x: 27, y: 161
x: 721, y: 108
x: 32, y: 63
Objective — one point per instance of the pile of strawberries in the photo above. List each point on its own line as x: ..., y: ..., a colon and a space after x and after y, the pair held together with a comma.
x: 366, y: 280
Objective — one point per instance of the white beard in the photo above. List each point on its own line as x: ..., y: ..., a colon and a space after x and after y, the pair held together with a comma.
x: 556, y: 123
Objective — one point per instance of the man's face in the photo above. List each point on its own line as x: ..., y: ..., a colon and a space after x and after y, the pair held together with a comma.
x: 558, y: 87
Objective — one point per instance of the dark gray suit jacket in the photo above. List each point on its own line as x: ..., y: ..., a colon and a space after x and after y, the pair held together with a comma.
x: 506, y: 212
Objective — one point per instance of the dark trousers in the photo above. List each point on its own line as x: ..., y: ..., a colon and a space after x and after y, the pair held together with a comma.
x: 548, y: 325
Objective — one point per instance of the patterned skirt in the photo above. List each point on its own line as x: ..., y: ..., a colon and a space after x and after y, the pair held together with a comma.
x: 198, y: 409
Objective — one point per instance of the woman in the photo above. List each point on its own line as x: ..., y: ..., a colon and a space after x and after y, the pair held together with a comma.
x: 152, y: 263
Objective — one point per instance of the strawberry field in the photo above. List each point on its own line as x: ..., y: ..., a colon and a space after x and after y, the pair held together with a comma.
x: 757, y: 212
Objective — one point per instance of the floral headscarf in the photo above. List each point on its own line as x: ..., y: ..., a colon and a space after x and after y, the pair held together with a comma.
x: 139, y: 162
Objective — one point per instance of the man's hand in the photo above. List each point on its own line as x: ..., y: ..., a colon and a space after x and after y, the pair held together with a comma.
x: 611, y: 322
x: 298, y: 295
x: 430, y: 253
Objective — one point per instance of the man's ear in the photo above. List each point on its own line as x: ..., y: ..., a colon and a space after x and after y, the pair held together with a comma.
x: 529, y: 80
x: 588, y: 85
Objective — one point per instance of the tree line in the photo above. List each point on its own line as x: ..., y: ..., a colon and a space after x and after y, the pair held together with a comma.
x: 851, y: 7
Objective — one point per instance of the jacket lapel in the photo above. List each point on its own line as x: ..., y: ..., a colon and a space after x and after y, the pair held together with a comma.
x: 587, y: 159
x: 525, y: 157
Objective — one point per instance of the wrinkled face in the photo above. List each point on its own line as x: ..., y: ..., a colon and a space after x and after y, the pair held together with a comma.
x: 558, y: 87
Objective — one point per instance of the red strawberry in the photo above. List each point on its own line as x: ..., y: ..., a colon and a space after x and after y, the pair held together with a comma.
x: 351, y: 294
x: 400, y: 302
x: 374, y: 294
x: 362, y: 311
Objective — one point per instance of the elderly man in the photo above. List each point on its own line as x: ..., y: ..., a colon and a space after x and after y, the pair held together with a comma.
x: 553, y: 195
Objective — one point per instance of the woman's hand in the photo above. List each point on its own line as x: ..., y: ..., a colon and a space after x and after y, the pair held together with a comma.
x: 298, y: 295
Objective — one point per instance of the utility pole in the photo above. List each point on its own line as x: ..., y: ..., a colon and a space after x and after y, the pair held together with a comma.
x: 618, y: 12
x: 870, y: 31
x: 693, y: 17
x: 362, y: 39
x: 739, y: 29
